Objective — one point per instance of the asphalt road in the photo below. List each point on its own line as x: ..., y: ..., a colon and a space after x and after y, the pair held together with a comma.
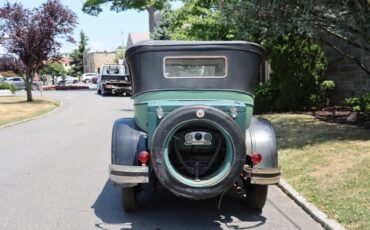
x: 54, y: 175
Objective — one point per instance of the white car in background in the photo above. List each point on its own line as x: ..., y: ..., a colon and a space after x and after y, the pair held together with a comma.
x: 17, y: 81
x: 88, y: 77
x: 66, y: 80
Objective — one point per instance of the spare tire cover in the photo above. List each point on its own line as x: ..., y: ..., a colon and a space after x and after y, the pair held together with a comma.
x: 186, y: 115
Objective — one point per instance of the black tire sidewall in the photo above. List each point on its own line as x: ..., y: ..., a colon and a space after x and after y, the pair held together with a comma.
x: 129, y: 199
x: 256, y: 195
x: 184, y: 115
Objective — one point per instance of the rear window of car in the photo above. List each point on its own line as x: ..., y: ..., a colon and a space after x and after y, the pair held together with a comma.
x: 113, y: 70
x: 195, y: 67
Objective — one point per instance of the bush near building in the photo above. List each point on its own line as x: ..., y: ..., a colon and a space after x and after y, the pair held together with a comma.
x: 11, y: 87
x: 296, y: 82
x: 359, y: 104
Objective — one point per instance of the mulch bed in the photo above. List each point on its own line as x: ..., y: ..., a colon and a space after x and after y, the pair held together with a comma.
x: 344, y: 115
x: 65, y: 87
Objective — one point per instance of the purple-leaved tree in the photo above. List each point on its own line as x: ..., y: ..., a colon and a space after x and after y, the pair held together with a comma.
x: 11, y: 63
x: 33, y: 36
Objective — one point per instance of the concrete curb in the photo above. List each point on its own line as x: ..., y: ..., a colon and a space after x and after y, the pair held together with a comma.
x: 308, y: 207
x: 34, y: 118
x: 5, y: 92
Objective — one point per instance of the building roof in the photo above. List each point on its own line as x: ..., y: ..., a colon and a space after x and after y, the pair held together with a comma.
x: 65, y: 60
x: 135, y: 37
x: 100, y: 52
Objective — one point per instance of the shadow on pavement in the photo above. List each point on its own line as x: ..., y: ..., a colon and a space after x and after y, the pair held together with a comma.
x: 127, y: 110
x: 164, y: 210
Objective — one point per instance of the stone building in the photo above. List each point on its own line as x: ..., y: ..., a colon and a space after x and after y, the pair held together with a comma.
x: 350, y: 79
x: 93, y: 61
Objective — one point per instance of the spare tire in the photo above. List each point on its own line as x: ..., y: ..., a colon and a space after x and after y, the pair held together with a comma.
x: 228, y: 170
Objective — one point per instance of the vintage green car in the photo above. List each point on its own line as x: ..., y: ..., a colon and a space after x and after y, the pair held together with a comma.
x: 193, y: 129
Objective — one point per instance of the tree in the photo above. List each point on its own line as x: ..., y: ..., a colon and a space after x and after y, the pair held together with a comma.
x: 93, y: 7
x: 54, y: 69
x: 346, y: 20
x: 11, y: 64
x: 195, y: 20
x: 34, y: 35
x: 162, y: 31
x: 77, y: 56
x: 120, y: 54
x: 298, y: 65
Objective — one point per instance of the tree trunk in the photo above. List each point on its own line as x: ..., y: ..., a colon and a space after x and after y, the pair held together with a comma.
x: 29, y: 94
x: 151, y: 19
x: 28, y: 82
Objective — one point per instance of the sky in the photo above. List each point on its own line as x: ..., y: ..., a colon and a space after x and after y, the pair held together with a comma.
x: 106, y: 31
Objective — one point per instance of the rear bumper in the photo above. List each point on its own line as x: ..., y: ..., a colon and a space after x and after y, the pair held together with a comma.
x: 263, y: 176
x: 122, y: 89
x: 118, y: 89
x: 128, y: 176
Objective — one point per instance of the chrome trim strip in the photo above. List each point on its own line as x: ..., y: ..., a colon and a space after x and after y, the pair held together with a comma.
x: 120, y: 175
x: 263, y: 176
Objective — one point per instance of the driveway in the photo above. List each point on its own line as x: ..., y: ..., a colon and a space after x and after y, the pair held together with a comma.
x: 54, y: 175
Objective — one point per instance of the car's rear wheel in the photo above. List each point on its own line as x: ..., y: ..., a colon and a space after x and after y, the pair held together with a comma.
x: 201, y: 166
x: 87, y: 81
x: 75, y: 81
x: 256, y: 195
x: 129, y: 199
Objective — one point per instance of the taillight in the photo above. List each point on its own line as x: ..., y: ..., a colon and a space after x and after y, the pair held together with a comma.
x: 256, y: 158
x: 108, y: 86
x: 144, y: 157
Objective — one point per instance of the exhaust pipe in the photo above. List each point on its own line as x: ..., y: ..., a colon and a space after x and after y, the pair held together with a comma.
x: 238, y: 188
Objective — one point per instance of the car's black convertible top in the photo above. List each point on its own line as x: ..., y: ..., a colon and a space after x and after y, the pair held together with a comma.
x: 147, y: 65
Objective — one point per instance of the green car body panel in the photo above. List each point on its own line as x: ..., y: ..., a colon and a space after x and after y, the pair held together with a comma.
x: 145, y: 105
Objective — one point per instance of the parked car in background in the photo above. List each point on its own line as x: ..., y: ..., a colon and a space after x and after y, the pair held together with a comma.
x: 66, y: 80
x: 95, y: 79
x: 88, y: 77
x: 17, y: 81
x: 38, y: 82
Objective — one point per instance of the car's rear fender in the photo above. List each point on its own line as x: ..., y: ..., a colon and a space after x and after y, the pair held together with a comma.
x: 260, y: 139
x: 127, y: 141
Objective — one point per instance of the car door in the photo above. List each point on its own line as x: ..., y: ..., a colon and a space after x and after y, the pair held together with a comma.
x: 19, y: 83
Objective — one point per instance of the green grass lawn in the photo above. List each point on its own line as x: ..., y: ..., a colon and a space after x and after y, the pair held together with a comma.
x: 327, y: 163
x: 16, y: 108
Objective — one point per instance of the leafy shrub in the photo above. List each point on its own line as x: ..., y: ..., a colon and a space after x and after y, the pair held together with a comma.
x: 321, y: 98
x: 11, y: 87
x: 359, y: 104
x: 298, y: 64
x: 328, y: 85
x: 264, y: 99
